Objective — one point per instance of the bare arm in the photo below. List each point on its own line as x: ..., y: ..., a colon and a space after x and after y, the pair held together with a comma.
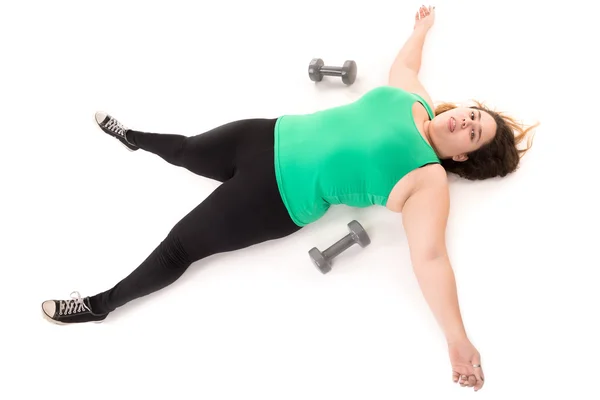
x: 424, y: 216
x: 408, y: 60
x: 405, y: 69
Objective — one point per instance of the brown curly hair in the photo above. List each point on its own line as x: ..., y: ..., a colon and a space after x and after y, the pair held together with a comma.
x: 500, y: 156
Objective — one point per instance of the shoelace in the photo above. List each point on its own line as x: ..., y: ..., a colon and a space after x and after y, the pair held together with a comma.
x: 115, y: 126
x: 76, y: 305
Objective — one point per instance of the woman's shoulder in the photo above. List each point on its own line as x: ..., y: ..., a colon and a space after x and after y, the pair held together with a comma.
x: 433, y: 175
x: 429, y: 178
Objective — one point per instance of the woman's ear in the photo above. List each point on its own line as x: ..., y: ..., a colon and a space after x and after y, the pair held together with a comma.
x: 460, y: 157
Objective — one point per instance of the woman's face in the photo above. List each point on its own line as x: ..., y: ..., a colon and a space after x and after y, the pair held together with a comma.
x: 459, y: 131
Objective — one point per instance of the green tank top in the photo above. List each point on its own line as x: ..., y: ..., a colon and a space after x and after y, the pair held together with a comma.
x: 352, y: 154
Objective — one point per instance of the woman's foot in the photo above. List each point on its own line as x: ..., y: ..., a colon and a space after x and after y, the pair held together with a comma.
x: 71, y: 311
x: 114, y: 128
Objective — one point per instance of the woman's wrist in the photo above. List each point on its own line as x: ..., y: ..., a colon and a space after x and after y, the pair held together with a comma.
x: 422, y: 29
x: 456, y: 337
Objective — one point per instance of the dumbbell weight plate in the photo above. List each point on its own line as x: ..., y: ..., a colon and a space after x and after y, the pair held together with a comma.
x: 320, y: 262
x: 360, y: 234
x: 349, y: 71
x: 314, y: 69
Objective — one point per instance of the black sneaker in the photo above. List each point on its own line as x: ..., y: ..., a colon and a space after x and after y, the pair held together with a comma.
x: 114, y: 128
x: 71, y: 311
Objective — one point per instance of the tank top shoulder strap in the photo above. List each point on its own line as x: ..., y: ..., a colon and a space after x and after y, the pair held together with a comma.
x: 421, y: 100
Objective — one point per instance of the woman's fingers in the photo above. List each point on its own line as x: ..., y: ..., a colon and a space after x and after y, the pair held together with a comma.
x: 472, y: 380
x: 425, y: 11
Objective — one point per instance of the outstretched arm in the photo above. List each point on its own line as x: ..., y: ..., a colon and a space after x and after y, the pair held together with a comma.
x: 405, y: 69
x: 424, y: 217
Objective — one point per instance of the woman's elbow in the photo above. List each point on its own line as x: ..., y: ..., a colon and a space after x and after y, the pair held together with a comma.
x: 427, y: 254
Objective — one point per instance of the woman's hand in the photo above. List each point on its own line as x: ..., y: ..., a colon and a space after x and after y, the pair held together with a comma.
x: 425, y: 17
x: 466, y: 364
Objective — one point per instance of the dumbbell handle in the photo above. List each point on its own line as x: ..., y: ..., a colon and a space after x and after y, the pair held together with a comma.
x: 331, y: 71
x: 338, y: 247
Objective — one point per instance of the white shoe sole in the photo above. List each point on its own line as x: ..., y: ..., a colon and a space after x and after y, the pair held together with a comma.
x: 48, y: 318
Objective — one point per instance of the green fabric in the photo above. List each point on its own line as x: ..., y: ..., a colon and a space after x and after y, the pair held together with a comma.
x: 353, y: 154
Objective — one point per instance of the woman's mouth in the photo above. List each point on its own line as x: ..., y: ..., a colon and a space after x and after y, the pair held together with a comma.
x: 451, y: 124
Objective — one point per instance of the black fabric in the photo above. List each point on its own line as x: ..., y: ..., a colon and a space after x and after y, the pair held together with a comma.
x: 246, y: 209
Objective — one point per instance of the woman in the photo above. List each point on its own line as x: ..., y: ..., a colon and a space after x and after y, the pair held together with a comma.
x: 278, y: 175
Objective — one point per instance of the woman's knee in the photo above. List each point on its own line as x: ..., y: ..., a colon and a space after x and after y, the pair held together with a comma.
x: 172, y: 253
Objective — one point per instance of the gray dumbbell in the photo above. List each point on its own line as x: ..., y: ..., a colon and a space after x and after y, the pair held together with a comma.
x: 357, y: 235
x: 317, y: 69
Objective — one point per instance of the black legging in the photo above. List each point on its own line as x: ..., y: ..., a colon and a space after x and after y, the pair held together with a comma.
x: 244, y: 210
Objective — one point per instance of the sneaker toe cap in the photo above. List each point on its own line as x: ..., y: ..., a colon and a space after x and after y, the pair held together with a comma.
x: 100, y: 117
x: 49, y: 308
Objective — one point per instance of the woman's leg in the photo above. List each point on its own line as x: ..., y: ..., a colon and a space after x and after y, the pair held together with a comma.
x: 222, y: 223
x: 215, y: 154
x: 245, y: 210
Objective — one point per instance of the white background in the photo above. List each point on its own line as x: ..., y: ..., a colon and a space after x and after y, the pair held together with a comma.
x: 79, y: 212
